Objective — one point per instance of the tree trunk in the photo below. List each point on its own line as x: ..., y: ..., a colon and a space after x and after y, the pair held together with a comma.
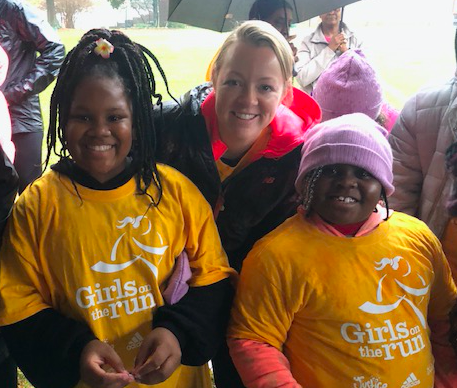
x: 155, y: 13
x: 69, y: 20
x: 51, y: 11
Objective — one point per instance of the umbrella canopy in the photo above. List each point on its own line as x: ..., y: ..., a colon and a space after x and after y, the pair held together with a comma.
x: 224, y: 15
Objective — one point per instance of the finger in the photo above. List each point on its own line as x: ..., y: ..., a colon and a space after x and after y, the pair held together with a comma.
x: 102, y: 379
x: 144, y: 352
x: 112, y: 359
x: 152, y: 363
x: 160, y: 374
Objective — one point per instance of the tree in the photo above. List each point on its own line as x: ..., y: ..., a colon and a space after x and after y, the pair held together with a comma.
x: 70, y: 8
x: 51, y: 11
x: 50, y: 8
x: 143, y: 8
x: 151, y: 7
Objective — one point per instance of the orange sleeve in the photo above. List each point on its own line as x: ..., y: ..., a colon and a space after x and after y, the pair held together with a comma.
x: 261, y: 365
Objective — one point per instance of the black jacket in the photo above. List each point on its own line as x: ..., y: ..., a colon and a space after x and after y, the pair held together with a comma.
x: 23, y: 33
x: 255, y: 201
x: 9, y: 183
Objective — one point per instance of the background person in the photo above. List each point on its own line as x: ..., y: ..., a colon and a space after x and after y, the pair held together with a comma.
x: 276, y: 12
x: 9, y: 183
x: 82, y: 304
x: 350, y: 85
x: 344, y: 294
x: 239, y: 141
x: 279, y: 14
x: 420, y: 137
x: 318, y: 50
x: 23, y: 34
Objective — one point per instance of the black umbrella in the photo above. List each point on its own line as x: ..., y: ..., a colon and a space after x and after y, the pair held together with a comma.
x: 224, y: 15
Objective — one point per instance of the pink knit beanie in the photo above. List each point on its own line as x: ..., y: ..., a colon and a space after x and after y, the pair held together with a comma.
x: 348, y: 85
x: 353, y: 139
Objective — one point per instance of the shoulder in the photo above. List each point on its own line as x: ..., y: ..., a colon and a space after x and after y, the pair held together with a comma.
x: 42, y: 194
x: 176, y: 182
x: 435, y: 97
x: 276, y: 244
x: 424, y: 112
x: 409, y: 227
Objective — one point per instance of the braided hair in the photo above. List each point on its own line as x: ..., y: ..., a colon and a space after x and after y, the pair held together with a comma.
x: 309, y: 184
x: 451, y: 164
x: 130, y: 65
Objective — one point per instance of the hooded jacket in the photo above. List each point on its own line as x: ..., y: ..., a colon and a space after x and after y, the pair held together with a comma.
x: 424, y: 130
x: 9, y: 184
x: 23, y: 33
x: 259, y: 197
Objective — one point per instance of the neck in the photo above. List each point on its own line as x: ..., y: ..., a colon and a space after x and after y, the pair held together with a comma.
x: 235, y: 152
x: 330, y: 30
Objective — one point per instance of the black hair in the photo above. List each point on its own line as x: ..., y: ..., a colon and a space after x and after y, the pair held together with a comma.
x: 130, y: 65
x: 263, y: 9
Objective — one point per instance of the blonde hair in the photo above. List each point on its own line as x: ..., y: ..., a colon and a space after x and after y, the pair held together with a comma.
x: 258, y: 34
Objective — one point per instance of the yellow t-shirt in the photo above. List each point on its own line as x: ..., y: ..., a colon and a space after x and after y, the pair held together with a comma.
x: 101, y: 257
x: 347, y: 312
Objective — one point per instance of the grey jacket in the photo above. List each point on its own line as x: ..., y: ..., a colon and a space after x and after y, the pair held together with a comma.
x: 314, y: 56
x: 426, y: 127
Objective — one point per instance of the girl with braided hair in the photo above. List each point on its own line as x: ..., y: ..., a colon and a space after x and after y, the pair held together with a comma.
x: 346, y: 293
x: 91, y: 245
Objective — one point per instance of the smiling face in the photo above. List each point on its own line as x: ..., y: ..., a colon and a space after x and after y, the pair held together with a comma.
x: 249, y: 88
x: 281, y: 20
x: 345, y: 194
x: 99, y: 128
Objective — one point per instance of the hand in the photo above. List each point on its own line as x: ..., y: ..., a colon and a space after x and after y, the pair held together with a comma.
x: 292, y: 46
x: 158, y: 357
x: 337, y: 41
x: 97, y: 360
x: 343, y: 47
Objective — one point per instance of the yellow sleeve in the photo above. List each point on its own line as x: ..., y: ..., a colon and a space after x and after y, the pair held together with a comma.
x: 208, y: 260
x: 23, y: 287
x: 266, y: 300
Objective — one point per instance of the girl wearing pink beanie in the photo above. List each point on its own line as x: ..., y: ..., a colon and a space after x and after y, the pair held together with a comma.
x: 345, y: 293
x: 350, y: 85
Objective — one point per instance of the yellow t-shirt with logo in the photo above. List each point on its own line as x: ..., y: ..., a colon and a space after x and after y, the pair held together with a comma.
x: 103, y: 258
x: 347, y: 312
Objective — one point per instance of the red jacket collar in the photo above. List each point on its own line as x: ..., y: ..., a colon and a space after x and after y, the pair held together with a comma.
x: 287, y: 128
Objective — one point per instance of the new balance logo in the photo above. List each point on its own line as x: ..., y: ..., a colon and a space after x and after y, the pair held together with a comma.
x: 411, y: 381
x: 135, y: 342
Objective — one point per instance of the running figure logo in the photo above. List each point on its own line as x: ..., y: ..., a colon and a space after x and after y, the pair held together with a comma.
x: 379, y: 307
x: 114, y: 267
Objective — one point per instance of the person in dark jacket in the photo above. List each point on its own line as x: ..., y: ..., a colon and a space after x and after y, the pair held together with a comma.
x: 239, y: 142
x: 23, y: 34
x: 9, y: 182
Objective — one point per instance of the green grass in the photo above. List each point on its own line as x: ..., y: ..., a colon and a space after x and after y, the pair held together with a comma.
x: 403, y: 65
